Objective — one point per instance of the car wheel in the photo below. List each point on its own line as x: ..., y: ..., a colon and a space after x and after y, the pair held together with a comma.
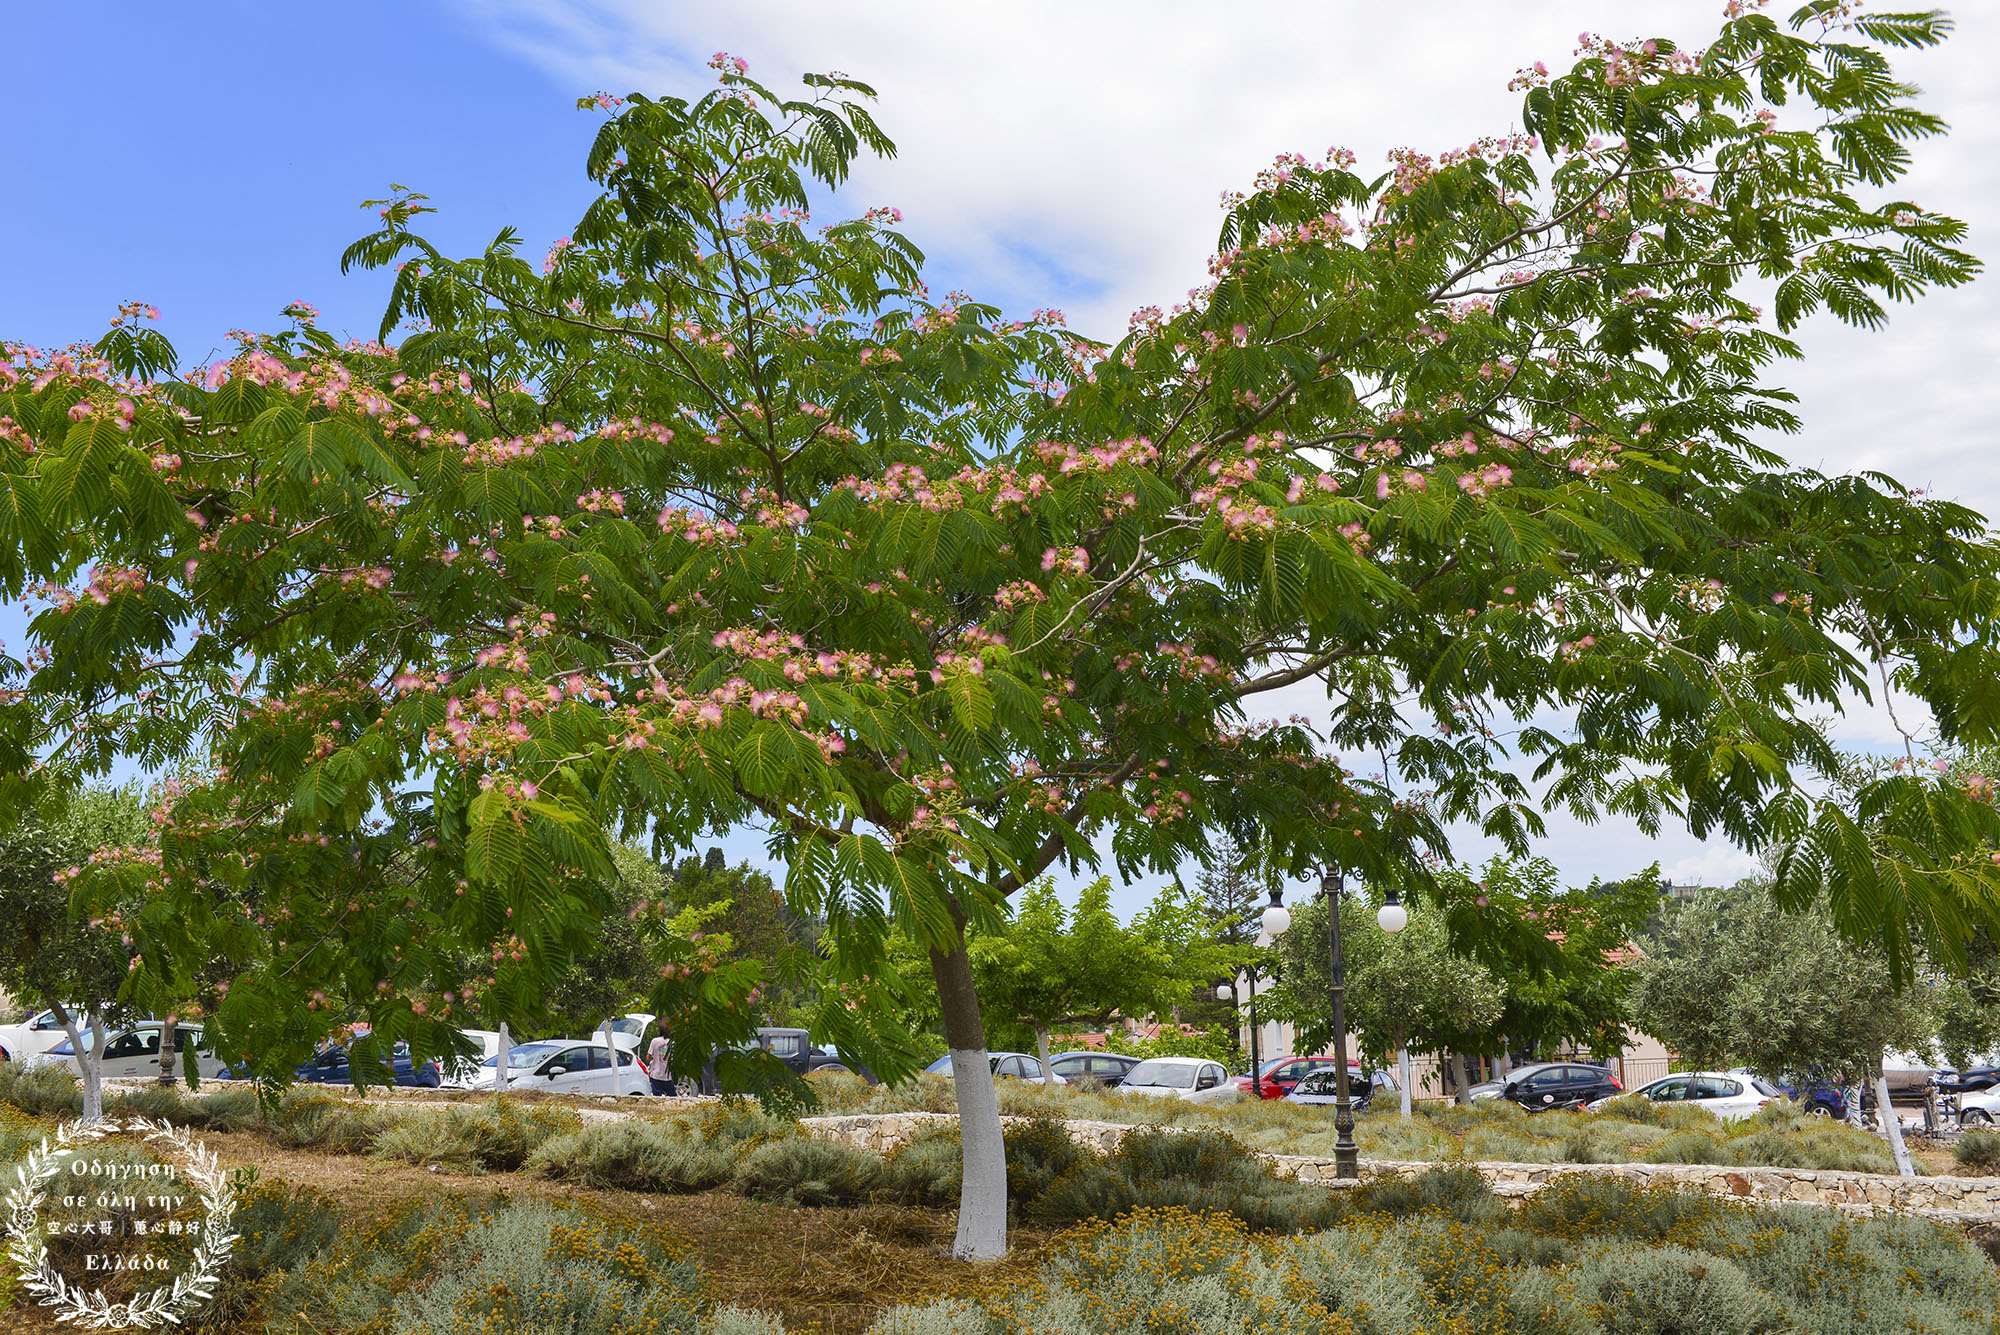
x: 1975, y: 1117
x: 1819, y: 1110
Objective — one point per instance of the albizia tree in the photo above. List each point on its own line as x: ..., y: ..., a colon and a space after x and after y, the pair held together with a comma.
x: 716, y: 516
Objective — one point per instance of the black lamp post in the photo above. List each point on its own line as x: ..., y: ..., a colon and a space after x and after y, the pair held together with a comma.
x: 1391, y: 917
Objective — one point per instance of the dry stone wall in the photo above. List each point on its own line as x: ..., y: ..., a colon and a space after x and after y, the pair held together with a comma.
x: 1956, y: 1197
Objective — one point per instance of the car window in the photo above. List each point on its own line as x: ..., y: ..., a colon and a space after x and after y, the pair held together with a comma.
x: 572, y: 1059
x: 600, y: 1058
x: 1668, y: 1091
x: 47, y: 1020
x: 522, y: 1056
x: 1716, y: 1087
x: 786, y: 1045
x: 1031, y: 1067
x: 1548, y: 1078
x: 1764, y: 1087
x: 625, y: 1058
x: 1164, y: 1074
x: 140, y: 1043
x: 1106, y: 1066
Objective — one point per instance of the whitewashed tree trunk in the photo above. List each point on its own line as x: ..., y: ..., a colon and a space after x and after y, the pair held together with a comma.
x: 617, y: 1072
x: 500, y: 1062
x: 89, y: 1059
x: 1403, y: 1076
x: 1892, y: 1127
x: 1462, y: 1067
x: 1042, y: 1051
x: 982, y: 1199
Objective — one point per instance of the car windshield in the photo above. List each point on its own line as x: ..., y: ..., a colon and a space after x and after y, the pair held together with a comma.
x: 527, y: 1054
x: 1166, y: 1075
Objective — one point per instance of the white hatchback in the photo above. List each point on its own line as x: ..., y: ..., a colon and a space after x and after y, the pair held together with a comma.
x: 1194, y: 1079
x: 564, y: 1066
x: 1731, y: 1097
x: 132, y: 1052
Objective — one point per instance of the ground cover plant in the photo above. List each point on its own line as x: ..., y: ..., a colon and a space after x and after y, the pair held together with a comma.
x: 1185, y: 1222
x: 1628, y: 1130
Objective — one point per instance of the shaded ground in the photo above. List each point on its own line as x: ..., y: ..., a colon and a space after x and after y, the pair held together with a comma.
x: 828, y: 1270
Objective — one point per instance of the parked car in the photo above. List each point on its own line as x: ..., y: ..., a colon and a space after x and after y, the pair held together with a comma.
x: 1544, y: 1086
x: 1012, y: 1065
x: 628, y: 1031
x: 1819, y: 1098
x: 1980, y: 1109
x: 1730, y: 1096
x: 566, y: 1066
x: 331, y: 1066
x: 132, y: 1052
x: 1972, y: 1080
x: 34, y: 1035
x: 1277, y: 1076
x: 1109, y: 1068
x: 1322, y: 1087
x: 1906, y: 1072
x: 1195, y: 1079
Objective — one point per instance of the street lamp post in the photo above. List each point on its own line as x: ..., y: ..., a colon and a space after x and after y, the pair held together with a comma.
x: 1391, y: 917
x: 1224, y: 993
x: 1346, y: 1154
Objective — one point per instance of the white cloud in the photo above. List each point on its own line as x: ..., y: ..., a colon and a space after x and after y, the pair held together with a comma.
x: 1716, y: 864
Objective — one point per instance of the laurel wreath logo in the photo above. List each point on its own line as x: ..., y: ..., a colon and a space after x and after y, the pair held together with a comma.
x: 163, y: 1305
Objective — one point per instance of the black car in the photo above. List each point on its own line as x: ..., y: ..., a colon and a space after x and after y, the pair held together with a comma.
x: 1551, y: 1085
x: 1972, y: 1080
x: 793, y: 1047
x: 1109, y: 1068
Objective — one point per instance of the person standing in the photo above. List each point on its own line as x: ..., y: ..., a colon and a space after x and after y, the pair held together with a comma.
x: 657, y: 1057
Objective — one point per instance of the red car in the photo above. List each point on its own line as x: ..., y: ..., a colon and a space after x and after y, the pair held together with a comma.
x: 1281, y: 1074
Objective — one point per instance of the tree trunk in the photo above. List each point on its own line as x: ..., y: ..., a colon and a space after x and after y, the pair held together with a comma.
x: 500, y: 1062
x: 1042, y: 1051
x: 982, y: 1200
x: 1403, y: 1074
x: 168, y: 1072
x: 1465, y: 1081
x: 89, y: 1061
x: 1891, y: 1126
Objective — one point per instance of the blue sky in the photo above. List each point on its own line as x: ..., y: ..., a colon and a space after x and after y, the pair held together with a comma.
x: 208, y: 157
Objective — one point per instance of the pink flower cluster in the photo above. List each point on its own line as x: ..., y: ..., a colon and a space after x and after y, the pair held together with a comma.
x: 1487, y: 480
x: 500, y: 451
x: 1019, y: 593
x: 1074, y: 562
x: 695, y: 527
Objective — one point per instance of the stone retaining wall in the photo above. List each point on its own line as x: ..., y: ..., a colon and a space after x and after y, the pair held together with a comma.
x: 1969, y: 1198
